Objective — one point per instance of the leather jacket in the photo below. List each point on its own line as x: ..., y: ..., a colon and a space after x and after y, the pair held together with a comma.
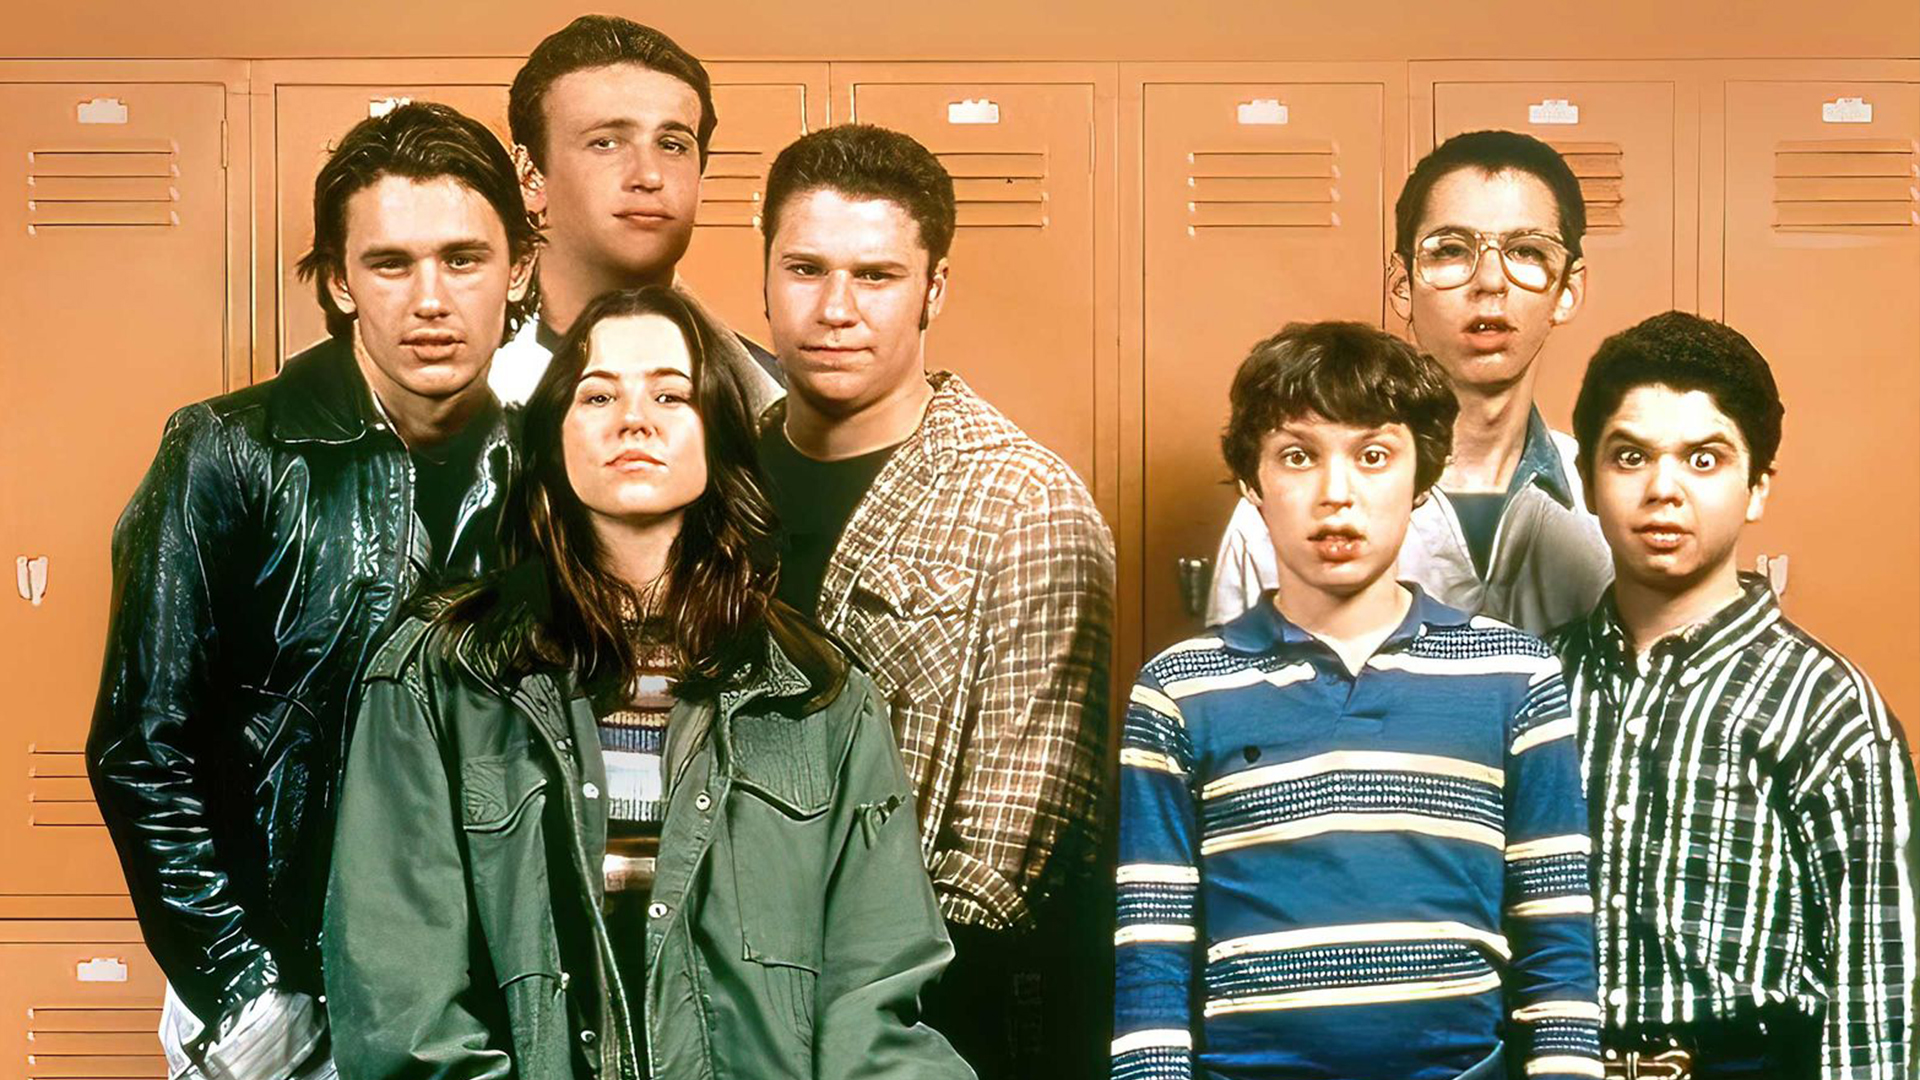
x: 270, y: 546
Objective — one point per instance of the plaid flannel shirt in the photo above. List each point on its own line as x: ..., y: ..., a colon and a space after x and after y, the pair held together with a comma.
x: 975, y: 581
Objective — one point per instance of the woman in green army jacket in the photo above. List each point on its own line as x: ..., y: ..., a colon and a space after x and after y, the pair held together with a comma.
x: 615, y: 812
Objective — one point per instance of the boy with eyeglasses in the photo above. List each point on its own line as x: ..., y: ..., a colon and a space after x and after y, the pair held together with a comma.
x: 1487, y: 261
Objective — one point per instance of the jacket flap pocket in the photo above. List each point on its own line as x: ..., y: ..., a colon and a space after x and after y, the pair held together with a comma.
x: 912, y: 590
x: 783, y: 760
x: 495, y: 790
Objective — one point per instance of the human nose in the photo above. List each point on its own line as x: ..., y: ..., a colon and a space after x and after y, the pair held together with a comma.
x: 838, y: 307
x: 429, y: 291
x: 637, y: 415
x: 643, y: 170
x: 1336, y: 484
x: 1663, y: 481
x: 1489, y: 272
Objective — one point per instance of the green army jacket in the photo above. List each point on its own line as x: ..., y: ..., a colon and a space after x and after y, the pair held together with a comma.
x: 791, y: 928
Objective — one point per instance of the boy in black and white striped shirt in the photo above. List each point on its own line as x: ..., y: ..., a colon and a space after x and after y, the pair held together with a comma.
x: 1752, y: 800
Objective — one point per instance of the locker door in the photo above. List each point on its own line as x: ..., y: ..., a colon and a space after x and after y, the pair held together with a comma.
x: 308, y: 121
x: 81, y: 1000
x: 1263, y: 205
x: 761, y: 107
x: 115, y: 305
x: 1823, y: 275
x: 1619, y: 139
x: 1019, y: 323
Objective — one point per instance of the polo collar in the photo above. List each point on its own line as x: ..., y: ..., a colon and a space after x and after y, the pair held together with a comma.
x: 1263, y: 629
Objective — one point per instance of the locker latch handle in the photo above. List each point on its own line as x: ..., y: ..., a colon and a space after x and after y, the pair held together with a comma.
x: 31, y: 574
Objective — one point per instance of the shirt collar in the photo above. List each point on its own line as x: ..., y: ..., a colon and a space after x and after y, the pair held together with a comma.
x: 1540, y: 463
x: 1701, y: 647
x: 1262, y: 629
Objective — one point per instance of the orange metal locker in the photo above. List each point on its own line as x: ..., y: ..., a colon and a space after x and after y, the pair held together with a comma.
x: 761, y: 107
x: 1822, y: 273
x: 116, y: 308
x: 1263, y: 202
x: 1630, y: 134
x: 80, y: 1000
x: 1027, y: 148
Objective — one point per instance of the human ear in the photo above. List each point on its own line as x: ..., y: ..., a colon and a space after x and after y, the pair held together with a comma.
x: 1399, y: 288
x: 1573, y: 293
x: 533, y: 185
x: 337, y: 288
x: 1757, y: 496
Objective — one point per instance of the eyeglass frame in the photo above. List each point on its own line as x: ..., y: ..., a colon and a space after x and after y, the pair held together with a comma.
x: 1483, y: 243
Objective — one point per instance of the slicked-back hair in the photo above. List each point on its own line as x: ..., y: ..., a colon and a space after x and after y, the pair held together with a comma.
x: 1682, y: 352
x: 1491, y: 153
x: 597, y: 41
x: 717, y: 598
x: 863, y: 161
x: 418, y: 141
x: 1346, y: 372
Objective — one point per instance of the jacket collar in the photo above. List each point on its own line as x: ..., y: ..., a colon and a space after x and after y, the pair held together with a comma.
x: 1263, y: 629
x: 1540, y: 463
x: 321, y: 397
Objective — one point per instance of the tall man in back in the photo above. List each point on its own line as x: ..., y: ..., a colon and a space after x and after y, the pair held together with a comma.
x: 269, y: 547
x: 611, y: 125
x: 963, y: 562
x: 1487, y: 262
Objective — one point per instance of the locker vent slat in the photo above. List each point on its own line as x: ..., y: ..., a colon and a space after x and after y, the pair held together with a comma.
x: 65, y: 1043
x: 1601, y: 169
x: 58, y: 794
x: 1846, y: 184
x: 1295, y: 184
x: 731, y: 190
x: 130, y: 184
x: 994, y: 190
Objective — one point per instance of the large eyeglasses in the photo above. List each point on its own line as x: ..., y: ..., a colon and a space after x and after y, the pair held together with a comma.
x: 1449, y: 258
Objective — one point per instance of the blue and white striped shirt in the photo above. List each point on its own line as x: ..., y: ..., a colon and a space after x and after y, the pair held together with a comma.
x: 1324, y: 875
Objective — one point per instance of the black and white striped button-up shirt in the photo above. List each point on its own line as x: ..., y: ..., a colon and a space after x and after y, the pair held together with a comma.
x: 1753, y: 816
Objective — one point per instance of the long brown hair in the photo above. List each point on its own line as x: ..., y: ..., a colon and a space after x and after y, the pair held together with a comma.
x: 716, y: 600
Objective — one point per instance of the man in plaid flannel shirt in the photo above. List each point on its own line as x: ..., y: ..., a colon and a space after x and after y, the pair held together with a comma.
x: 965, y: 564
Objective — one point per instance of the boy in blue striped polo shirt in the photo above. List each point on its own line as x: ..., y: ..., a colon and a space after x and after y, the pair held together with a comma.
x: 1352, y: 837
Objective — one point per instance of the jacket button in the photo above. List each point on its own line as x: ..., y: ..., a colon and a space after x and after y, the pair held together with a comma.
x: 656, y: 910
x: 703, y: 801
x: 590, y: 789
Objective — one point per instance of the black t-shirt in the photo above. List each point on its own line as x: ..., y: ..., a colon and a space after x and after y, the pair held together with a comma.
x: 815, y: 499
x: 1479, y: 513
x: 442, y: 476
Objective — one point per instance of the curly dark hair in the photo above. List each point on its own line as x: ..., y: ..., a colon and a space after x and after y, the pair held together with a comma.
x: 421, y: 140
x: 1683, y: 352
x: 1347, y: 372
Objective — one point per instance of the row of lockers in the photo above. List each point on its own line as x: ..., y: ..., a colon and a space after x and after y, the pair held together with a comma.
x: 1126, y: 232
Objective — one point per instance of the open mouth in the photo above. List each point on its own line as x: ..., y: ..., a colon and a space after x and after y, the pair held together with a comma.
x: 1661, y: 538
x: 1337, y: 544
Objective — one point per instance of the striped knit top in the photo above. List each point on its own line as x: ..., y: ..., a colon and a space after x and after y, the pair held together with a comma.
x: 632, y: 741
x: 1329, y: 875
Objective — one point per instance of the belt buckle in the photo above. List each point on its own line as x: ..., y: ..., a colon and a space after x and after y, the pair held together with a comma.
x: 1672, y: 1063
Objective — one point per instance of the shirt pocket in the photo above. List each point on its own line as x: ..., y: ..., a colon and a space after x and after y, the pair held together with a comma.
x: 913, y: 622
